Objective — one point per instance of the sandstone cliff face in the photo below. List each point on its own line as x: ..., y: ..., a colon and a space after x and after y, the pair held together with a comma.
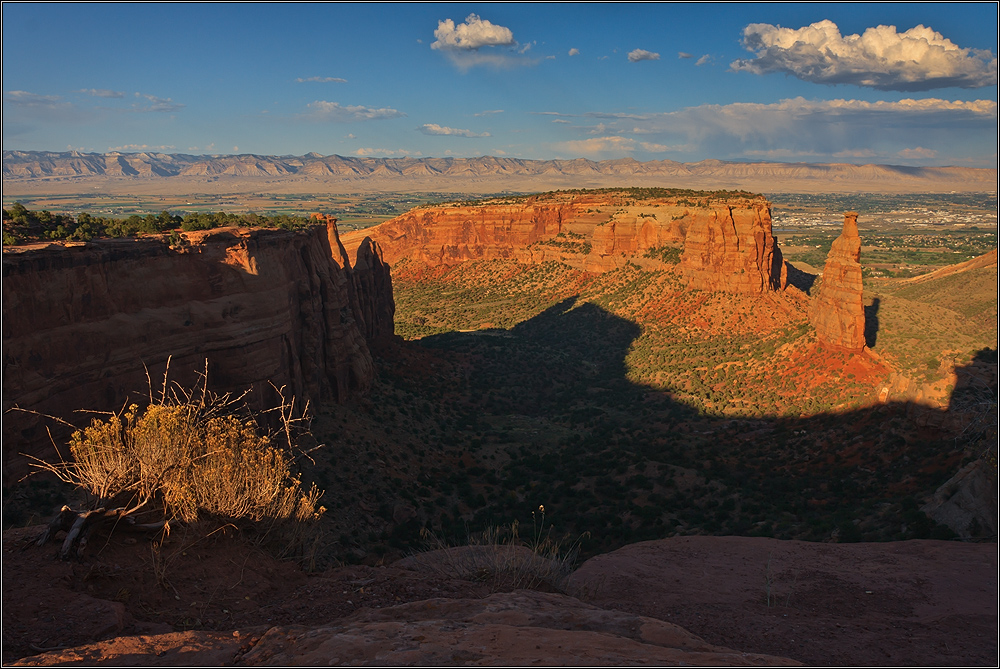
x: 370, y: 286
x: 262, y: 306
x: 728, y: 245
x: 450, y: 235
x: 837, y: 312
x: 732, y: 249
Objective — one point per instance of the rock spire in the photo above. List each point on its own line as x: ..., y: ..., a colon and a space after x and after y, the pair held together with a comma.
x: 838, y: 312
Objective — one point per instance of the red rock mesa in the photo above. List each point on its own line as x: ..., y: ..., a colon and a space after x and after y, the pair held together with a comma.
x: 727, y: 239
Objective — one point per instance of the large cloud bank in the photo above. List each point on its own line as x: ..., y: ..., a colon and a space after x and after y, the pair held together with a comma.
x: 814, y: 129
x: 919, y: 59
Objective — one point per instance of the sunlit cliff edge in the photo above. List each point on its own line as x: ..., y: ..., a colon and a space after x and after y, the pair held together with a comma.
x: 84, y: 323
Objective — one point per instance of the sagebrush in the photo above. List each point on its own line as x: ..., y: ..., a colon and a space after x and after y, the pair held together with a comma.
x: 190, y: 455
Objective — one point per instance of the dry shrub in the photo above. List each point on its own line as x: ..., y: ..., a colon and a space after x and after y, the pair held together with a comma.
x: 193, y: 455
x: 190, y: 464
x: 500, y: 558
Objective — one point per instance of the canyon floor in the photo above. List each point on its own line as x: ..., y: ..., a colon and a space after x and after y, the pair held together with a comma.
x: 215, y: 600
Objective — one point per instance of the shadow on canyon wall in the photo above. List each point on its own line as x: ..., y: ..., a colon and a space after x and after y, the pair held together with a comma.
x: 871, y: 323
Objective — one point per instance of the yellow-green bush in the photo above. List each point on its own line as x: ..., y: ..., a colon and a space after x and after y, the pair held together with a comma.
x: 190, y: 461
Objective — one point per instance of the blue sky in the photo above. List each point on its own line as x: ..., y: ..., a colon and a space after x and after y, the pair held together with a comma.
x: 685, y: 82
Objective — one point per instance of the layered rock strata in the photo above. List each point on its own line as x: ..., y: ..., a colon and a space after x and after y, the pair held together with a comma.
x: 838, y: 312
x: 83, y: 322
x: 728, y: 244
x: 732, y: 249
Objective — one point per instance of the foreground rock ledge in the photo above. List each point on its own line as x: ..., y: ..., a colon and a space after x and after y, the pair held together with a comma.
x: 505, y: 629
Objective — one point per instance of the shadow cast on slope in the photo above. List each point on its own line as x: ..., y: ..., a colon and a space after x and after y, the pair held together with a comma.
x: 559, y: 423
x: 802, y: 280
x: 871, y: 323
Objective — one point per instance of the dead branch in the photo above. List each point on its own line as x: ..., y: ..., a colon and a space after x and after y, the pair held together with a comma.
x: 78, y: 526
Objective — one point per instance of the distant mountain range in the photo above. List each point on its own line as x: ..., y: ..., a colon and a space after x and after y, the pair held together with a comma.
x: 490, y: 172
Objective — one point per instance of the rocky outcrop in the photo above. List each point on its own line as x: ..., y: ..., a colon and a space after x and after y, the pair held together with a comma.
x: 837, y: 312
x: 370, y: 287
x: 448, y: 235
x: 372, y: 300
x: 967, y: 502
x: 518, y: 628
x: 727, y: 238
x: 732, y: 249
x: 893, y: 603
x: 515, y: 628
x: 83, y: 322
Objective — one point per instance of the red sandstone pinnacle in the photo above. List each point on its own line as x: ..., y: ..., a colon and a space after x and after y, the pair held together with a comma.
x: 838, y: 312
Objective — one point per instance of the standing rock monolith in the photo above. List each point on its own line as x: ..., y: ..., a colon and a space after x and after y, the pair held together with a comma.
x: 838, y: 312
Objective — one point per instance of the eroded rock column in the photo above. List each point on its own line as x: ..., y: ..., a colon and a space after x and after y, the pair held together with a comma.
x: 838, y: 312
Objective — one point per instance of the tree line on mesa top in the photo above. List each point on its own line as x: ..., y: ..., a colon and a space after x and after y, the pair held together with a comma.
x: 21, y: 226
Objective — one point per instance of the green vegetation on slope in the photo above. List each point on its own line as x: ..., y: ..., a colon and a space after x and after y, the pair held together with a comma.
x: 22, y: 226
x: 926, y: 328
x: 630, y: 408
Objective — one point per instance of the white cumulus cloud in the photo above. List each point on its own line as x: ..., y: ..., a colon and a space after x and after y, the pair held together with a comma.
x: 156, y: 104
x: 636, y: 55
x: 473, y: 34
x: 26, y: 99
x: 574, y: 52
x: 479, y: 42
x: 435, y: 129
x: 919, y: 59
x: 917, y: 152
x: 598, y: 146
x: 133, y: 148
x: 855, y: 153
x: 321, y: 110
x: 661, y: 148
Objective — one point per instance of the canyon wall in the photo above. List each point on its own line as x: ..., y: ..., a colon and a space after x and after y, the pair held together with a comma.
x: 727, y: 240
x: 837, y: 312
x: 83, y: 321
